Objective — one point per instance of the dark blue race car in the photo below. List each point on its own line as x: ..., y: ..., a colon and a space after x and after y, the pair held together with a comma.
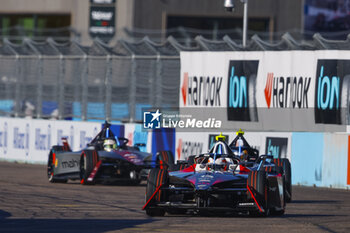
x: 227, y: 179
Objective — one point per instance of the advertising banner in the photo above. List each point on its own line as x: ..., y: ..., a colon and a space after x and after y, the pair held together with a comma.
x: 29, y: 140
x: 268, y: 90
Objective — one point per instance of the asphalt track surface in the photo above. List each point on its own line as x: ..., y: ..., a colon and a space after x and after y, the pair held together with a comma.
x: 29, y: 203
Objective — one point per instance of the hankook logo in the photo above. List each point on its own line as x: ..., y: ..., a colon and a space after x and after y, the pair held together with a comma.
x: 286, y: 92
x: 201, y: 91
x: 187, y: 148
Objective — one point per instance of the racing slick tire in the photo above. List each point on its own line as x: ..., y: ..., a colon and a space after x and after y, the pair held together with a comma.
x: 257, y: 182
x: 287, y: 170
x: 166, y: 160
x: 283, y: 166
x: 156, y: 178
x: 51, y: 165
x: 88, y: 161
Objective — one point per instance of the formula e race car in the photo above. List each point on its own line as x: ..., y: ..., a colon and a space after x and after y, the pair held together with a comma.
x: 218, y: 181
x: 105, y: 159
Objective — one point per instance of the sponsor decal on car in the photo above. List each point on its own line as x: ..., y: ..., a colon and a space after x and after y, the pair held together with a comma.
x: 70, y: 163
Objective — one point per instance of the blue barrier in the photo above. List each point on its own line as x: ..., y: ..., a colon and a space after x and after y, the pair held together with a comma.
x: 6, y: 106
x: 119, y: 111
x: 335, y: 160
x: 307, y: 158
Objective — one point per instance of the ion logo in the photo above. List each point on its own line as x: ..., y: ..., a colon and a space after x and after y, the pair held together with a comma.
x: 276, y: 147
x: 287, y: 92
x: 241, y: 102
x: 327, y: 91
x: 237, y: 90
x: 330, y: 77
x: 151, y: 120
x: 201, y: 91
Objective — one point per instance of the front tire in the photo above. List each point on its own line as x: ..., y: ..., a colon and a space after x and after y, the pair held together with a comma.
x: 88, y: 161
x: 51, y: 165
x: 156, y: 178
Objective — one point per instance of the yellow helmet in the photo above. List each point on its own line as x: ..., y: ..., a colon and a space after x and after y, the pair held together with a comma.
x: 109, y: 144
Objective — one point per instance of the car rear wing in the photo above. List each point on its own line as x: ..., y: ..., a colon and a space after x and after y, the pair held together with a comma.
x: 263, y: 159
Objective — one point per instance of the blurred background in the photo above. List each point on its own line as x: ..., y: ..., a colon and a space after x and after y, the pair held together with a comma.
x: 108, y: 59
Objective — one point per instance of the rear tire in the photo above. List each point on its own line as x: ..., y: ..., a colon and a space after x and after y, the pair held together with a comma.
x: 88, y: 161
x: 287, y: 179
x: 156, y: 178
x: 51, y: 166
x: 257, y: 182
x: 166, y: 160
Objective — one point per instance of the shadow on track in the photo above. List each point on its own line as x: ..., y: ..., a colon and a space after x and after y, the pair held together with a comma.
x: 311, y: 215
x: 68, y: 225
x: 4, y: 214
x: 315, y: 201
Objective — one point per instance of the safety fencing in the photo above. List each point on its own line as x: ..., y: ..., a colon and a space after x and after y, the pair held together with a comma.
x: 69, y: 81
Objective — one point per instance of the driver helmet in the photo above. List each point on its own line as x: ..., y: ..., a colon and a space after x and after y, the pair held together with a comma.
x: 239, y: 142
x: 244, y: 155
x: 109, y: 144
x: 219, y: 161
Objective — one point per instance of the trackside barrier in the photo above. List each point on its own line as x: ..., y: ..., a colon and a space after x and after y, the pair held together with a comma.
x: 29, y: 140
x: 321, y: 159
x: 276, y: 144
x: 318, y: 159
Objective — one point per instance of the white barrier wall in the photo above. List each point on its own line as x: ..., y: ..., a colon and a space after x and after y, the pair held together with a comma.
x: 276, y: 144
x: 29, y: 140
